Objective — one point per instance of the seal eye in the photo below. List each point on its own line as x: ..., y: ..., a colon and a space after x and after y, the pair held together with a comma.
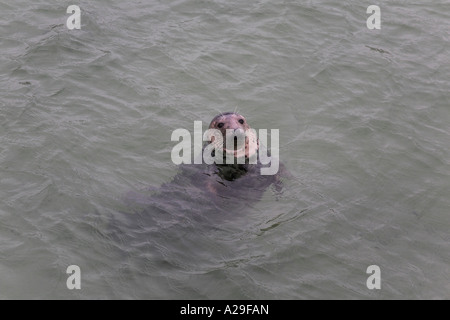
x: 220, y: 125
x: 241, y: 121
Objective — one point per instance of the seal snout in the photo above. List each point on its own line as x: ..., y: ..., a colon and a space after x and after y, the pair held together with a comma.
x: 234, y: 129
x: 238, y: 138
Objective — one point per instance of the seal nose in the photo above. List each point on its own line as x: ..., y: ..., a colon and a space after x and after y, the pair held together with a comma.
x: 239, y: 138
x: 239, y: 132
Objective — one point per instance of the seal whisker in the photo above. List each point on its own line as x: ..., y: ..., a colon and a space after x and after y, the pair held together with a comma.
x: 220, y: 112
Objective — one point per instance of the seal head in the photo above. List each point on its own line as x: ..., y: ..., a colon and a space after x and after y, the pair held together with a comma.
x: 234, y: 129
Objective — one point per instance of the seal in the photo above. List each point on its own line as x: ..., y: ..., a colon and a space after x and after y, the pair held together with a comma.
x: 201, y: 195
x: 240, y: 144
x: 233, y: 125
x: 221, y: 183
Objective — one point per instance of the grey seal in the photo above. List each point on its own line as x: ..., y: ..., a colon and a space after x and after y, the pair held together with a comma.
x: 219, y: 185
x: 237, y: 180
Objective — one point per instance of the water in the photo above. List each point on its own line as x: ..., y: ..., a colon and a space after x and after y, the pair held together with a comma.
x: 86, y: 118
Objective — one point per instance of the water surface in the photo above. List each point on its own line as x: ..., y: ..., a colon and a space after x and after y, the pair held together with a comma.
x: 86, y: 118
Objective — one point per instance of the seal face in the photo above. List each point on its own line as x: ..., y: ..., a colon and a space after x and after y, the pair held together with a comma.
x: 239, y: 140
x: 238, y: 143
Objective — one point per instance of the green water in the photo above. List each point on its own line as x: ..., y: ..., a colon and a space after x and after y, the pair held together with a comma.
x: 86, y: 118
